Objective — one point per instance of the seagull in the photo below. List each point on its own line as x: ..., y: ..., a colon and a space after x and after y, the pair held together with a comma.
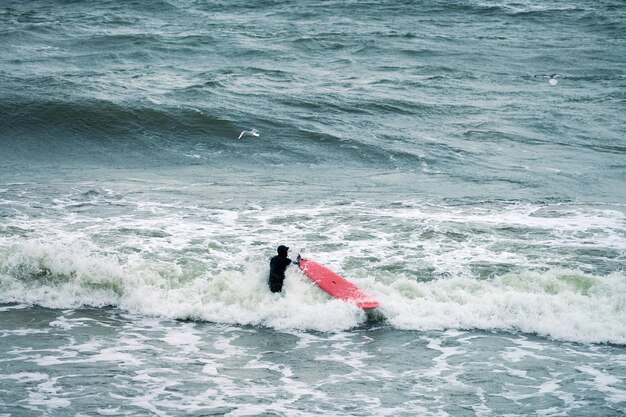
x: 552, y: 78
x: 252, y: 132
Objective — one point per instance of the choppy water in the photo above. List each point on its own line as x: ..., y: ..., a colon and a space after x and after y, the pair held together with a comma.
x: 105, y: 363
x: 406, y: 145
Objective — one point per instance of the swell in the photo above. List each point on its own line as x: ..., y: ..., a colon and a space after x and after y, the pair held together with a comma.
x: 91, y: 127
x: 95, y: 131
x: 57, y: 120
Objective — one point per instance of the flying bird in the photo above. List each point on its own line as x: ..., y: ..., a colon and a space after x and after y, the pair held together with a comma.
x: 251, y: 132
x: 551, y: 78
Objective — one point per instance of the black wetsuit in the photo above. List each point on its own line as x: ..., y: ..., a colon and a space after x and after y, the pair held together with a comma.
x: 278, y: 264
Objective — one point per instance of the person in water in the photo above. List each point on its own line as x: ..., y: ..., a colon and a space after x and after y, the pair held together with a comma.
x: 278, y: 264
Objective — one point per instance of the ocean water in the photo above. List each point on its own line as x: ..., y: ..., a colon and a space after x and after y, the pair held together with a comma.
x: 413, y: 147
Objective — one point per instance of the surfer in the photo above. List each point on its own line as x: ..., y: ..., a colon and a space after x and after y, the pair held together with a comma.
x: 278, y: 264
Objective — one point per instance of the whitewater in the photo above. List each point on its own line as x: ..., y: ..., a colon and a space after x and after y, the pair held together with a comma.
x: 432, y: 268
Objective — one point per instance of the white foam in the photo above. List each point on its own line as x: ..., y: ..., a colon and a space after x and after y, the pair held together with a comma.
x: 210, y: 369
x: 184, y: 338
x: 553, y: 304
x: 211, y: 264
x: 566, y: 305
x: 440, y: 367
x: 88, y: 347
x: 24, y: 377
x: 92, y: 352
x: 67, y: 324
x: 606, y: 383
x: 46, y: 393
x: 13, y: 307
x: 49, y: 395
x: 356, y: 360
x: 21, y: 332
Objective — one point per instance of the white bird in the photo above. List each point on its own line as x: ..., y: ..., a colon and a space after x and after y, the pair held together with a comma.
x: 551, y: 78
x: 251, y: 132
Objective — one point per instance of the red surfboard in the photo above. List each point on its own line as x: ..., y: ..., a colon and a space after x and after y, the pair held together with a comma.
x: 336, y: 285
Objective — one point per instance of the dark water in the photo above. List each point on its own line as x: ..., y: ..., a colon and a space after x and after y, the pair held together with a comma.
x: 410, y: 146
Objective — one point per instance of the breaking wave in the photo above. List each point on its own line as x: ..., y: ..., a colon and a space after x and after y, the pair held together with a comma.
x: 559, y: 304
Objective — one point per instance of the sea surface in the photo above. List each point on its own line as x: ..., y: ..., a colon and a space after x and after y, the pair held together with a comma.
x: 414, y: 147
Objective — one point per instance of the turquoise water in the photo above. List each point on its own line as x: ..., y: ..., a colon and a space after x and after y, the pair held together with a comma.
x: 409, y: 146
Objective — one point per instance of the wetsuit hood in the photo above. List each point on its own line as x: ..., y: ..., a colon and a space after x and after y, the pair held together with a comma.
x: 282, y: 250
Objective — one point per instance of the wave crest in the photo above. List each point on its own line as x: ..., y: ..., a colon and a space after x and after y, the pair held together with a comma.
x: 563, y: 305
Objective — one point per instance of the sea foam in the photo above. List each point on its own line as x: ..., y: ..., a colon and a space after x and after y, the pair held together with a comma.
x: 560, y: 304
